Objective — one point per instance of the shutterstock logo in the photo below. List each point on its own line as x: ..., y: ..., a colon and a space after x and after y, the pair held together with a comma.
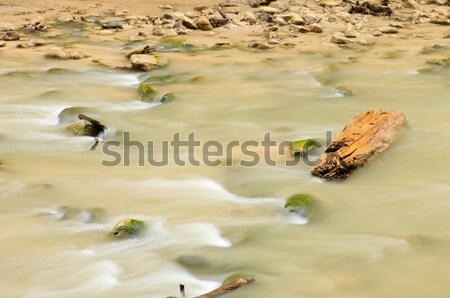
x: 190, y: 151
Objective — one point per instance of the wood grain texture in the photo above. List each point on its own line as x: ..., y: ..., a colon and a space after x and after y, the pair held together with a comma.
x: 358, y: 143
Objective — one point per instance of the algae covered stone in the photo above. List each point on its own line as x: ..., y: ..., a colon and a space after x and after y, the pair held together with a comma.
x: 235, y: 277
x: 86, y: 126
x: 166, y: 97
x: 303, y: 146
x: 147, y: 92
x: 301, y: 204
x: 128, y: 228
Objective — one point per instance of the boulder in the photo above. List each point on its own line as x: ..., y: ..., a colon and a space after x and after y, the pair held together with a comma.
x: 147, y: 62
x: 86, y: 126
x: 128, y: 228
x: 204, y: 24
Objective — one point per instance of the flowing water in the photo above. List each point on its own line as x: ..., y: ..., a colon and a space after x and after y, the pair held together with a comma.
x: 382, y: 233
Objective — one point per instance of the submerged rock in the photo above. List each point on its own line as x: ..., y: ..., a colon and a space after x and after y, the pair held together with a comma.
x: 345, y: 90
x: 147, y: 92
x: 86, y: 126
x: 441, y: 62
x: 235, y: 277
x: 128, y: 228
x: 167, y: 97
x: 192, y: 261
x: 303, y: 146
x: 300, y: 204
x: 147, y: 62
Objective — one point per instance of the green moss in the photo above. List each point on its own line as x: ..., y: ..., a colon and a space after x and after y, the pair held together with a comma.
x: 437, y: 61
x: 197, y: 79
x: 172, y: 42
x: 147, y: 92
x: 303, y: 146
x: 84, y: 128
x: 301, y: 204
x: 235, y: 277
x: 57, y: 70
x: 128, y: 228
x: 390, y: 55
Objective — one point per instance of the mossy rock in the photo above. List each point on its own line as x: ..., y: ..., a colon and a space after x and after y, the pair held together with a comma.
x: 345, y: 90
x: 197, y: 79
x: 192, y: 261
x: 147, y: 92
x: 159, y: 80
x: 128, y: 228
x: 57, y: 70
x: 390, y: 55
x: 172, y: 42
x: 303, y: 146
x: 235, y: 277
x: 84, y: 127
x: 301, y: 204
x: 440, y: 62
x: 167, y: 97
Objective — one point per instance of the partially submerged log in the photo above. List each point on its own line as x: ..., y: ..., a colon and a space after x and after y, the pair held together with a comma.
x: 359, y: 142
x: 226, y: 288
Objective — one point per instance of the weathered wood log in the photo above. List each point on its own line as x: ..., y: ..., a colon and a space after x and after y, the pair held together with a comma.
x: 359, y: 142
x: 224, y: 289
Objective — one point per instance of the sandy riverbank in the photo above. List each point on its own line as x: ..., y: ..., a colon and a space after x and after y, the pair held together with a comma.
x: 321, y: 26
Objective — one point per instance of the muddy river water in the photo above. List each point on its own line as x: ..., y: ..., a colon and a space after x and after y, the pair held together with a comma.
x: 382, y: 233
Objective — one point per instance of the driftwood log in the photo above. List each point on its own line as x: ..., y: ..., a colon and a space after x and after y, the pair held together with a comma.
x: 222, y: 290
x: 359, y: 142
